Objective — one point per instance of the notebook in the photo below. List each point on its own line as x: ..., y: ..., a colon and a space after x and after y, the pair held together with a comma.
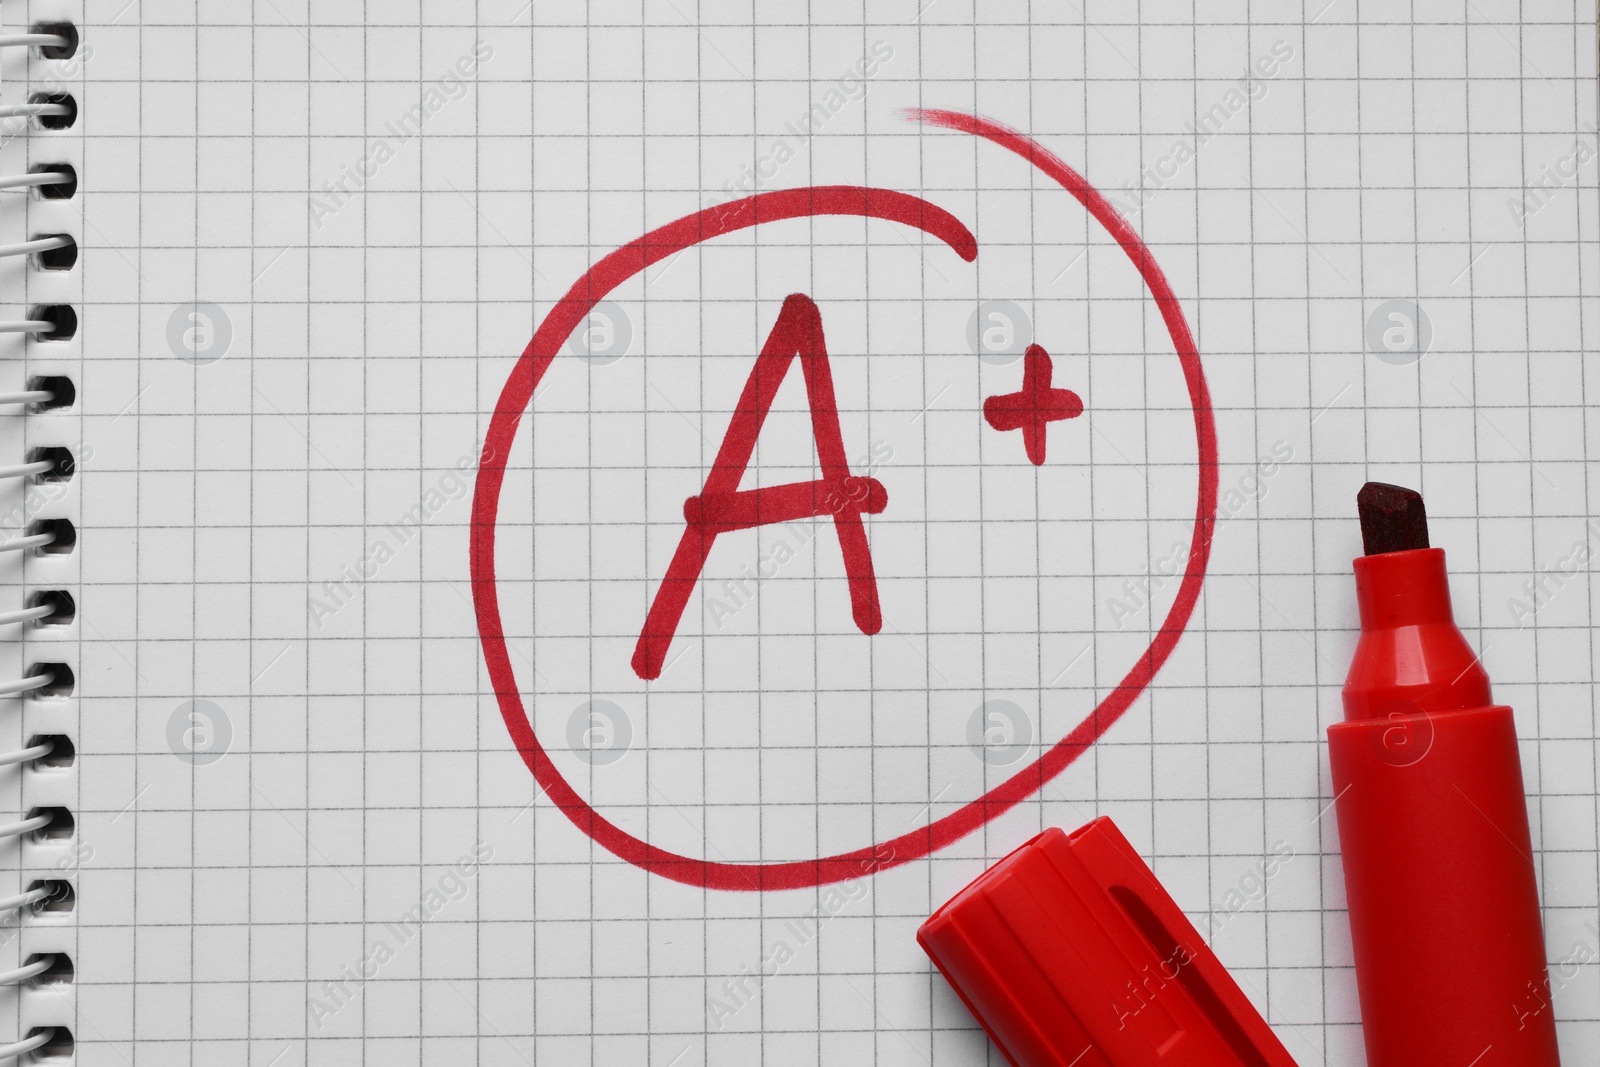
x: 559, y: 533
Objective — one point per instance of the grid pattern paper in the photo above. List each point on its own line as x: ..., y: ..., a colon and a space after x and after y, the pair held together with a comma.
x: 316, y: 239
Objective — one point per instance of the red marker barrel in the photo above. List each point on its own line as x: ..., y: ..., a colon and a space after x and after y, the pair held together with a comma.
x: 1433, y: 827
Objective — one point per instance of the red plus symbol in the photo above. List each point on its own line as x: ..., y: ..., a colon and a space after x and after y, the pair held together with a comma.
x: 1033, y: 408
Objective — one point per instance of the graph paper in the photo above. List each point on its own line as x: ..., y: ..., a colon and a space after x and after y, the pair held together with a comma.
x: 317, y: 240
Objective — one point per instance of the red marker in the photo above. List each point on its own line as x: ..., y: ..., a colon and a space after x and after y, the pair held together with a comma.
x: 1433, y: 823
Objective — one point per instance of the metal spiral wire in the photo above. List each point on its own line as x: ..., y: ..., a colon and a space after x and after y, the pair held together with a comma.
x: 54, y: 181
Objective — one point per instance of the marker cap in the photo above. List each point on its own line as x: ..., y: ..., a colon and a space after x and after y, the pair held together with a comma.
x: 1071, y: 954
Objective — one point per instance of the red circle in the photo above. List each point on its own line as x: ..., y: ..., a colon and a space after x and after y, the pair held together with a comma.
x: 658, y: 244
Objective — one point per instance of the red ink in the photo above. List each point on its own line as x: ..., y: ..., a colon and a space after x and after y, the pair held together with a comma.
x: 721, y: 508
x: 629, y: 260
x: 1035, y: 407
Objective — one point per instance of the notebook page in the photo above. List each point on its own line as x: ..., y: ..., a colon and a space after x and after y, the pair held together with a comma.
x: 354, y: 570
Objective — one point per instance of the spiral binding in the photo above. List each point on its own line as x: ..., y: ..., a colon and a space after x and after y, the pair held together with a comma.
x: 52, y: 251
